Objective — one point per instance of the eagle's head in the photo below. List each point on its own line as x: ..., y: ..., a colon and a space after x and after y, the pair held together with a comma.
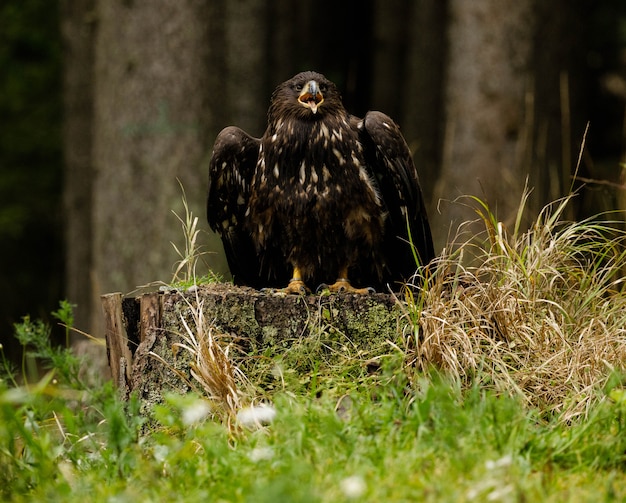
x: 307, y: 96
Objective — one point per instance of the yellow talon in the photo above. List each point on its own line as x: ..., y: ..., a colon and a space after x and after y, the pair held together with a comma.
x: 296, y: 286
x: 342, y: 285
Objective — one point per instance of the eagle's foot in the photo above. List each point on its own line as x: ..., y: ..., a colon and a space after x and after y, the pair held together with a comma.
x: 342, y: 285
x: 295, y: 287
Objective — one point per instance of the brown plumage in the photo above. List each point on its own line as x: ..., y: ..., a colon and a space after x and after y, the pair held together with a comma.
x: 322, y: 195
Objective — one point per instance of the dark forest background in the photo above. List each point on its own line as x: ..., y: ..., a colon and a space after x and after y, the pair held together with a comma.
x: 104, y: 104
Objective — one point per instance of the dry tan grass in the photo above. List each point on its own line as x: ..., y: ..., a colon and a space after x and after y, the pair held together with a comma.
x: 540, y: 314
x: 212, y: 367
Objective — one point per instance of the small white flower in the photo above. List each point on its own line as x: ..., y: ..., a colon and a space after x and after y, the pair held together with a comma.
x: 261, y: 454
x: 160, y: 452
x: 500, y: 493
x: 499, y: 463
x: 68, y: 472
x: 195, y: 412
x: 256, y: 416
x: 353, y: 487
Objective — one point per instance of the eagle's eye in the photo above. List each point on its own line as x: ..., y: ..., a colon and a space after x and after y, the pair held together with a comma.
x: 323, y: 88
x: 298, y: 87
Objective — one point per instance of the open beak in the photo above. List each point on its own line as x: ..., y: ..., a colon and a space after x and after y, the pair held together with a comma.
x: 311, y: 96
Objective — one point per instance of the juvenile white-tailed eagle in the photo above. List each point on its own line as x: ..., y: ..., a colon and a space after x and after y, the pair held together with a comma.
x: 323, y: 196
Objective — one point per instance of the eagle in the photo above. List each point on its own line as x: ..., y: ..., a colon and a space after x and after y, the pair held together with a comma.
x: 322, y: 198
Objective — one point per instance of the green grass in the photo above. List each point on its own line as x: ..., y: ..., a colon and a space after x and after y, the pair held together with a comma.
x: 370, y: 440
x: 506, y: 383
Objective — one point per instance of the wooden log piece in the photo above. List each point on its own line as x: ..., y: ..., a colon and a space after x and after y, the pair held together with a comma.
x: 119, y: 353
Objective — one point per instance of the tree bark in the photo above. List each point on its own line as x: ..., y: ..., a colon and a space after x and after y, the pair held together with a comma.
x: 78, y: 28
x: 152, y: 125
x: 487, y: 78
x: 511, y: 85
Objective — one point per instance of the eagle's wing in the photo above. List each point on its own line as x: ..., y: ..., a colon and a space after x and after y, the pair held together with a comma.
x: 231, y: 170
x: 391, y: 166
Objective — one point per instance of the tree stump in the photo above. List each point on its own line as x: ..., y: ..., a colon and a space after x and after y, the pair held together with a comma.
x: 142, y: 332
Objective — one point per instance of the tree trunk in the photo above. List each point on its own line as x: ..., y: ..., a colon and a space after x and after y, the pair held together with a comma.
x: 78, y: 23
x: 509, y: 112
x: 490, y: 49
x: 152, y: 126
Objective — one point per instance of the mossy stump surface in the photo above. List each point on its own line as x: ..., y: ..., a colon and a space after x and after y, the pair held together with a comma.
x: 142, y: 332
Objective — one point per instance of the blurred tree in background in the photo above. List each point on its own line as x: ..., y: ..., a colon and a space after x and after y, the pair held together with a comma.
x: 487, y: 93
